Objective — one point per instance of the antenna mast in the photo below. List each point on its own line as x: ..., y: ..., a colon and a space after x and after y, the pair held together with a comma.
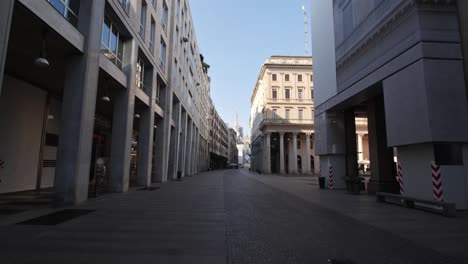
x: 306, y: 32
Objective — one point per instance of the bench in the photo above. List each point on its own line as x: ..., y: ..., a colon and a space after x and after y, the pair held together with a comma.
x: 448, y: 209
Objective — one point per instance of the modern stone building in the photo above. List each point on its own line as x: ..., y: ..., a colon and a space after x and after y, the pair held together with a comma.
x: 99, y: 95
x: 400, y: 64
x: 219, y: 138
x: 232, y: 147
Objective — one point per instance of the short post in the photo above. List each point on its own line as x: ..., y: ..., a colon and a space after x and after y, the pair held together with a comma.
x: 437, y: 182
x: 330, y: 177
x: 400, y: 178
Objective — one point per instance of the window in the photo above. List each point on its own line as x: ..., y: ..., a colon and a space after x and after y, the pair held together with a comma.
x: 299, y: 77
x: 275, y: 113
x: 152, y: 32
x: 288, y: 111
x: 162, y: 54
x: 287, y: 93
x: 286, y: 77
x: 300, y: 114
x: 311, y: 93
x: 298, y: 144
x: 112, y: 44
x: 273, y: 77
x: 125, y: 4
x: 311, y: 78
x: 312, y: 114
x: 143, y: 19
x: 274, y: 93
x: 158, y: 92
x: 164, y: 16
x: 155, y: 3
x: 300, y: 93
x: 141, y: 74
x: 67, y: 8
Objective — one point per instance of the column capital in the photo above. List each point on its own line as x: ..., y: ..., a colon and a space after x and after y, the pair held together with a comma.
x: 295, y: 133
x: 281, y: 134
x: 308, y: 134
x: 361, y: 134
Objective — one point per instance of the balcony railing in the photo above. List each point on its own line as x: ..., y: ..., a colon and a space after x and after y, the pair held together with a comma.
x: 290, y: 101
x: 289, y: 121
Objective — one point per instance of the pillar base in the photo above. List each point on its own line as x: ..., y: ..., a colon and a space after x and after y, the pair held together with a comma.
x: 338, y: 162
x: 383, y: 186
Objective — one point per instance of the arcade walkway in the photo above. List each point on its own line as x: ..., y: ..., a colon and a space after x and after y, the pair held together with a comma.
x: 235, y: 216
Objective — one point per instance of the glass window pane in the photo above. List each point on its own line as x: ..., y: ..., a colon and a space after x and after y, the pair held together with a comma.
x: 72, y: 18
x: 120, y: 49
x: 74, y: 6
x: 113, y: 40
x: 57, y: 4
x: 105, y: 32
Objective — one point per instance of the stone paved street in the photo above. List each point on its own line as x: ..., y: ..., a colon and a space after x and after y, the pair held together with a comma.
x: 235, y: 216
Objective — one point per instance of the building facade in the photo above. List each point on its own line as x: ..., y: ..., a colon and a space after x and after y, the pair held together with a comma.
x: 281, y: 119
x: 219, y: 138
x: 399, y: 63
x: 100, y: 96
x: 232, y: 147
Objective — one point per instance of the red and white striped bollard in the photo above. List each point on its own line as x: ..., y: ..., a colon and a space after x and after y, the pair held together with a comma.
x: 330, y: 177
x: 437, y: 182
x: 400, y: 178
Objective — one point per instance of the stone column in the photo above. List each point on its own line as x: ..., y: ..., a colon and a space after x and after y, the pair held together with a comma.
x: 360, y: 147
x: 122, y: 125
x: 308, y: 167
x: 145, y: 147
x: 282, y: 169
x: 146, y: 137
x: 183, y: 144
x: 188, y: 150
x: 381, y: 156
x: 351, y: 146
x: 6, y: 13
x: 267, y: 151
x: 330, y: 146
x: 194, y: 152
x: 78, y: 107
x: 294, y: 154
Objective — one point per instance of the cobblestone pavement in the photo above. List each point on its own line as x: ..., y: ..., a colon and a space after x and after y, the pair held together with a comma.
x: 233, y: 216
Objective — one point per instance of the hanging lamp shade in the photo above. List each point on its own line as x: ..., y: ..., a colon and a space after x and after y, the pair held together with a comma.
x: 42, y: 61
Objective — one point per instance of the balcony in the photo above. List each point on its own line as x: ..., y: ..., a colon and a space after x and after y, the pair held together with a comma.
x: 286, y: 121
x: 307, y: 101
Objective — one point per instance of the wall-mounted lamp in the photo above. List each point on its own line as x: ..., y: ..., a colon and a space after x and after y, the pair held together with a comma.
x: 137, y: 116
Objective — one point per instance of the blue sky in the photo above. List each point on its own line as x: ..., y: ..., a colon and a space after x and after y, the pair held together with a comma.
x: 236, y: 37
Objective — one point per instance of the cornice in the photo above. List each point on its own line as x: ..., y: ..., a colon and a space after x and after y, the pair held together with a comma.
x: 386, y: 25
